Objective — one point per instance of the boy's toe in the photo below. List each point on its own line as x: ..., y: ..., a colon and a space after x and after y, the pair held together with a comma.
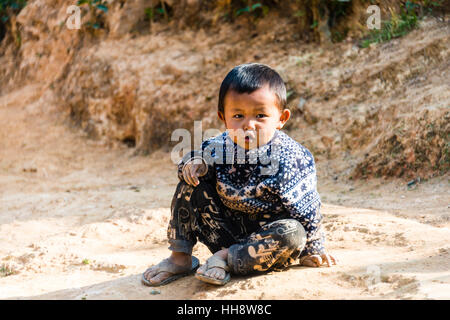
x: 212, y: 273
x: 215, y: 273
x: 218, y: 275
x: 153, y: 274
x: 208, y: 273
x: 201, y: 269
x: 150, y: 273
x: 159, y: 277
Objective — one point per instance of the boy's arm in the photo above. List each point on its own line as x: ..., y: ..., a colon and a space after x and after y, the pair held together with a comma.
x: 310, y: 218
x: 297, y: 188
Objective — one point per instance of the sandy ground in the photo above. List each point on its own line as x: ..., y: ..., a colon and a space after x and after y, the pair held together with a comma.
x: 82, y: 219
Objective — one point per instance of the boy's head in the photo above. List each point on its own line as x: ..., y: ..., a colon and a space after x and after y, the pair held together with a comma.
x: 252, y: 104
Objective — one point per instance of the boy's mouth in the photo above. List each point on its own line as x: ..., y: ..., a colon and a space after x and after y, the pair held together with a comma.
x: 249, y: 139
x: 249, y: 136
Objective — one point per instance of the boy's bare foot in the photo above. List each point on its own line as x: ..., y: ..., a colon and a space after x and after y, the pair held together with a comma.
x: 217, y: 273
x: 179, y: 259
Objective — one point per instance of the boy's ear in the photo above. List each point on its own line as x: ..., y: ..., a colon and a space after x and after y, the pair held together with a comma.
x: 285, y: 115
x: 221, y: 116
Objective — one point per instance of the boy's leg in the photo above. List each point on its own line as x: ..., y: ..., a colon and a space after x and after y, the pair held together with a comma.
x: 275, y: 246
x: 198, y: 214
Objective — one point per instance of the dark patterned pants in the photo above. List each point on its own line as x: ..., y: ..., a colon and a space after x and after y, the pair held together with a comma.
x: 254, y: 245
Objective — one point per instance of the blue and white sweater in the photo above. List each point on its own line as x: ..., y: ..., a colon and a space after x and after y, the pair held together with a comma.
x: 275, y: 178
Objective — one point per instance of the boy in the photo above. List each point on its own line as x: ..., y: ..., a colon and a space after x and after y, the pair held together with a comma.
x: 249, y: 194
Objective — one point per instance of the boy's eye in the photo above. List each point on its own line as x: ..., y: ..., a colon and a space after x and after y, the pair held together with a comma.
x: 261, y: 115
x: 237, y: 116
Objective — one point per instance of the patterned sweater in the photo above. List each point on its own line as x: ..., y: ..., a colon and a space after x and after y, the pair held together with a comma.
x: 274, y: 179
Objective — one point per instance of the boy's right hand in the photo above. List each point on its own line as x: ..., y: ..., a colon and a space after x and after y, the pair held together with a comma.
x: 192, y: 170
x: 316, y: 260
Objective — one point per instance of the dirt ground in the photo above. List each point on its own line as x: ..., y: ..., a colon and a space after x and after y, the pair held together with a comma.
x: 82, y: 219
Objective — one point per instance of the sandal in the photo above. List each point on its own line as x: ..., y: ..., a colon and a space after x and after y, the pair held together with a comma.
x: 178, y: 272
x: 215, y: 262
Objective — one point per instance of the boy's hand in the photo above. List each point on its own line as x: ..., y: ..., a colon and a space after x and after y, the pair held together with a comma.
x: 316, y: 260
x: 192, y: 170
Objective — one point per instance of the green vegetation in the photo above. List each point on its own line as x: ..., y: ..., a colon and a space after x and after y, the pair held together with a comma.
x: 8, y: 7
x: 319, y: 20
x: 98, y: 8
x: 230, y: 9
x: 397, y: 26
x: 158, y: 12
x: 6, y: 271
x: 252, y: 9
x: 401, y: 24
x: 94, y: 4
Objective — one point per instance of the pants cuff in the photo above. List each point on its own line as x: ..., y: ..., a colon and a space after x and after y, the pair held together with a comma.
x: 181, y: 246
x: 231, y: 258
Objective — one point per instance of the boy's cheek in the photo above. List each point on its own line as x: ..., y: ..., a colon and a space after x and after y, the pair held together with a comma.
x: 265, y: 135
x: 236, y: 134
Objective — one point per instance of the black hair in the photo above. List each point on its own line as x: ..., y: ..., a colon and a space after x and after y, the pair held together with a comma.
x: 249, y: 77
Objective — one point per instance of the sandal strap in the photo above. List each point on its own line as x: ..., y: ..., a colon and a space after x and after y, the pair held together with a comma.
x: 166, y: 266
x: 216, y: 262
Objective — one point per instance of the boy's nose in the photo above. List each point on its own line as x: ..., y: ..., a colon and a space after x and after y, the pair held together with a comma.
x: 249, y: 125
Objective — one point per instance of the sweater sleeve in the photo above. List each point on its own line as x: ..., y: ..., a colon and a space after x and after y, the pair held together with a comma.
x: 296, y: 186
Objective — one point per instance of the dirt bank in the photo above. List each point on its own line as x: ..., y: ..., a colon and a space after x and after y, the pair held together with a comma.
x: 381, y: 111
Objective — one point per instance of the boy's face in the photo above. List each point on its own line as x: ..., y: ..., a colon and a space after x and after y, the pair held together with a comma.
x: 251, y: 119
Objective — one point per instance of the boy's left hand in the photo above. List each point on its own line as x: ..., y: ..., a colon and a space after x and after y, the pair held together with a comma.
x: 316, y: 260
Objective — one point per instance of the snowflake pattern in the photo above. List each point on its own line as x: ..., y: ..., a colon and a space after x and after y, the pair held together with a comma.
x: 277, y: 178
